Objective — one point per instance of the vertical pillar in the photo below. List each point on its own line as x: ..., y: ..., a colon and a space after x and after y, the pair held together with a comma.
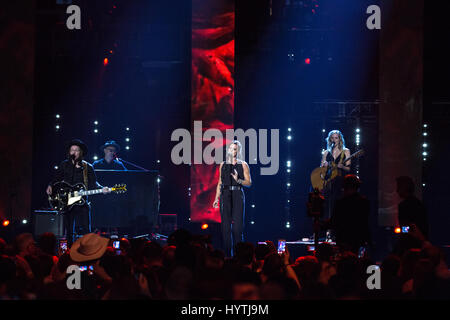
x: 212, y: 98
x: 401, y: 101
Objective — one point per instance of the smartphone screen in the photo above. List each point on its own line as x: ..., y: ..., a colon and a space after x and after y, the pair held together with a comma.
x: 116, y: 244
x: 62, y: 246
x: 281, y: 246
x: 89, y: 269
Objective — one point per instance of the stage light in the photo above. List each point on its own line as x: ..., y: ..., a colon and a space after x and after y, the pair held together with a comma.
x: 288, y: 163
x: 24, y: 221
x: 288, y: 225
x: 398, y: 230
x: 289, y: 137
x: 253, y: 205
x: 205, y: 226
x: 288, y: 184
x: 289, y: 129
x: 127, y: 147
x: 157, y: 161
x: 307, y: 60
x: 96, y: 122
x: 424, y: 153
x: 323, y: 130
x: 105, y: 61
x: 57, y: 116
x: 127, y: 139
x: 128, y: 129
x: 357, y: 130
x: 424, y: 159
x: 158, y: 180
x: 6, y: 223
x: 425, y: 125
x: 288, y: 170
x: 252, y: 222
x: 423, y: 184
x: 57, y: 127
x: 425, y: 134
x: 95, y: 157
x: 56, y: 167
x: 96, y: 130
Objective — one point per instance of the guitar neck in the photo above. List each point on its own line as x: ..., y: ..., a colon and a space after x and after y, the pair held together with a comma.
x: 90, y: 192
x: 351, y: 156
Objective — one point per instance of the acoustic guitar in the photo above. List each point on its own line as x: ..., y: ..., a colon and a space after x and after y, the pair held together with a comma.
x: 321, y: 176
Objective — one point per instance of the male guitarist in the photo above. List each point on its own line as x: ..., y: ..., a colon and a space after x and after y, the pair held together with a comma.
x: 75, y: 170
x: 334, y: 156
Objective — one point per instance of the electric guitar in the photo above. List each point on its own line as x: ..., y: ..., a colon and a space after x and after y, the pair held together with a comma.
x: 64, y: 196
x: 321, y: 176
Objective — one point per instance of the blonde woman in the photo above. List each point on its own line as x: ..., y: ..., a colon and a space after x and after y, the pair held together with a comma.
x: 336, y: 152
x: 234, y: 174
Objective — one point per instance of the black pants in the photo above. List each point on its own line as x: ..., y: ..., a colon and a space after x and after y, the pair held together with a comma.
x: 77, y: 221
x: 232, y: 215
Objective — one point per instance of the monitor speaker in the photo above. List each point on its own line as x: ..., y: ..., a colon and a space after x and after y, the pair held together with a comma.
x: 48, y: 221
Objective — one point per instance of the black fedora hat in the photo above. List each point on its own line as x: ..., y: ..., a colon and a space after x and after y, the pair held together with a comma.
x: 79, y: 143
x: 110, y: 143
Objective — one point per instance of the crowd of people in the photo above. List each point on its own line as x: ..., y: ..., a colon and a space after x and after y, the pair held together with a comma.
x: 187, y: 266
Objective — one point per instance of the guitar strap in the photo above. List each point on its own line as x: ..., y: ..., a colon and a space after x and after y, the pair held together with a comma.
x: 85, y: 174
x: 342, y: 158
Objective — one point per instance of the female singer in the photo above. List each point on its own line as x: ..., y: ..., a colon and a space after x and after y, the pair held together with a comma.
x: 233, y: 174
x: 336, y: 152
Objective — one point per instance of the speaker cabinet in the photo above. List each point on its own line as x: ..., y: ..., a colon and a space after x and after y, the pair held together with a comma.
x: 48, y: 221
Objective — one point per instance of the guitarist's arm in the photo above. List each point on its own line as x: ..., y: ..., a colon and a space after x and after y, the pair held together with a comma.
x: 324, y: 162
x: 59, y: 176
x: 346, y: 166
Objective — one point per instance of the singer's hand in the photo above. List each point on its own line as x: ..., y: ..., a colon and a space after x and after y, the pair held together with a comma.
x: 340, y: 165
x: 325, y: 164
x: 216, y: 203
x: 106, y: 190
x: 49, y: 190
x: 235, y: 175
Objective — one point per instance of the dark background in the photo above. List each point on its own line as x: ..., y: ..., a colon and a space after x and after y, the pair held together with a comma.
x: 49, y: 70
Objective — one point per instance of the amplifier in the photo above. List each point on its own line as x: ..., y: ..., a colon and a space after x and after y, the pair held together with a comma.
x: 48, y: 221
